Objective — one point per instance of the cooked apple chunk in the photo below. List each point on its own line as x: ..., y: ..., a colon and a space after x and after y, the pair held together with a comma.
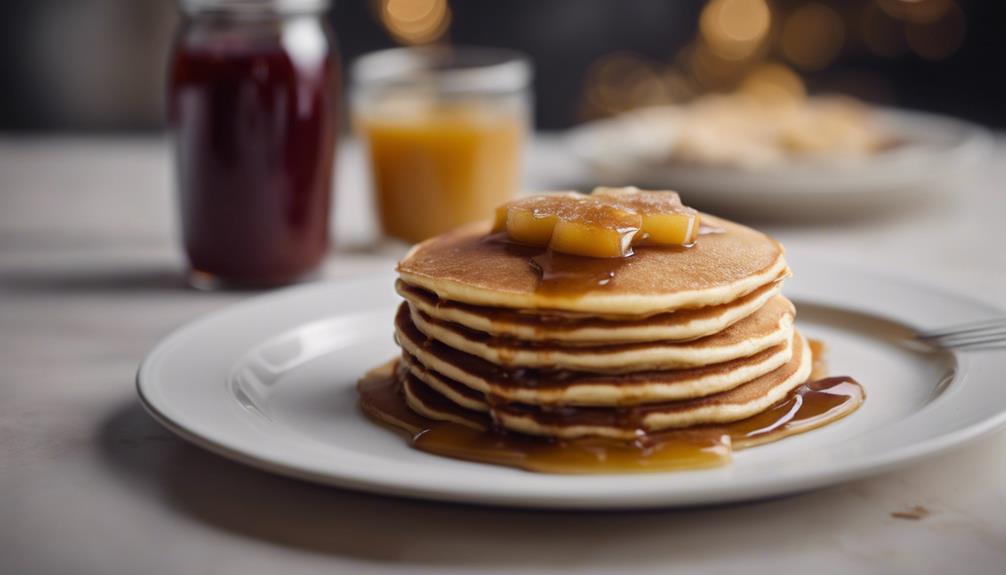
x: 665, y: 220
x: 531, y: 220
x: 596, y: 230
x: 604, y: 224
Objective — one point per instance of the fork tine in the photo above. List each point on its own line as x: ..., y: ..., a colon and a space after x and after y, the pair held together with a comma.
x: 983, y: 343
x: 962, y: 341
x: 1000, y: 333
x: 964, y: 329
x: 983, y: 346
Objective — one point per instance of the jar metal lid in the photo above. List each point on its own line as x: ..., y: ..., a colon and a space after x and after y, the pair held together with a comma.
x: 254, y: 6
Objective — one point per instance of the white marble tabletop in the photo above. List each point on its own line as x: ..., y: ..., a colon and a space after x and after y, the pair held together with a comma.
x: 89, y: 484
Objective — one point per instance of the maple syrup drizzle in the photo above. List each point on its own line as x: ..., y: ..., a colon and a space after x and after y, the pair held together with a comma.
x: 563, y: 274
x: 809, y: 406
x: 570, y: 275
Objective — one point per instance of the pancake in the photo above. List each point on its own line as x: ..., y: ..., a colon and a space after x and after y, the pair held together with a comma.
x: 467, y: 266
x: 458, y: 393
x: 681, y: 325
x: 432, y: 361
x: 739, y: 403
x: 769, y: 326
x: 426, y: 402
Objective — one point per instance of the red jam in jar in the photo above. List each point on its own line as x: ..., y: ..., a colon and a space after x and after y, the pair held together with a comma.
x: 252, y: 107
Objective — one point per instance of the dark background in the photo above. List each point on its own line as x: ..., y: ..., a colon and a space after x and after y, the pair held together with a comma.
x: 98, y: 65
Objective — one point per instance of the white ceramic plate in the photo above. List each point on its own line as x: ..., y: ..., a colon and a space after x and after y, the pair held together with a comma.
x: 270, y: 383
x: 938, y: 152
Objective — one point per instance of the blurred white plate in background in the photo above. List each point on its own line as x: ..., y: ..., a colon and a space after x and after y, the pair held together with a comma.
x: 937, y: 155
x: 271, y: 383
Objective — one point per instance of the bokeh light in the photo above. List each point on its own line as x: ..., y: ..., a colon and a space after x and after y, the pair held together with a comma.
x: 774, y: 83
x: 917, y: 11
x: 760, y: 47
x: 937, y: 39
x: 812, y: 36
x: 711, y: 70
x: 735, y: 29
x: 881, y: 33
x: 415, y: 21
x: 623, y: 81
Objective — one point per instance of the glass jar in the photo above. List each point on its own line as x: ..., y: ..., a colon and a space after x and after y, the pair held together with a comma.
x: 444, y: 128
x: 253, y: 95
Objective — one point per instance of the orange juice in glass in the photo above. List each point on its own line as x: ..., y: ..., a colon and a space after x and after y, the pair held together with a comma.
x: 444, y: 130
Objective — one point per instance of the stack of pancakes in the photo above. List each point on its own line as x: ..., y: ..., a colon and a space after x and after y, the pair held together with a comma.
x: 670, y: 338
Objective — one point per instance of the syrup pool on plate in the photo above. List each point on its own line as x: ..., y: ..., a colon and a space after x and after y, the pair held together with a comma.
x: 811, y: 405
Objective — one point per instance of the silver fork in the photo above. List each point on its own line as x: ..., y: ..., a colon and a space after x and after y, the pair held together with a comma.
x: 977, y: 334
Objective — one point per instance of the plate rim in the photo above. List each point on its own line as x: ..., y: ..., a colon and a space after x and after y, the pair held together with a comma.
x: 865, y: 466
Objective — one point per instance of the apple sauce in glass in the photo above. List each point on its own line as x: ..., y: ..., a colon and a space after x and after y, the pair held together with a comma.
x: 444, y: 130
